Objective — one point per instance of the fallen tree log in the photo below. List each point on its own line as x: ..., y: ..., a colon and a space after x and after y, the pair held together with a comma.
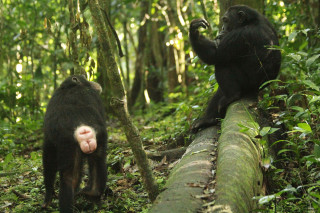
x: 187, y: 178
x: 239, y: 176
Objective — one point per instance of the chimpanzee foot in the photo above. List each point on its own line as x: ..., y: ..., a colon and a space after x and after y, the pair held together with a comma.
x: 90, y: 194
x: 47, y: 200
x: 202, y: 123
x: 86, y: 137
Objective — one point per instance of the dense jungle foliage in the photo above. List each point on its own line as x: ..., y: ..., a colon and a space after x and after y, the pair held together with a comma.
x: 167, y: 88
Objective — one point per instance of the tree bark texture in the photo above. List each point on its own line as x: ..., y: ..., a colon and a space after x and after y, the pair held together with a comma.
x: 239, y: 176
x: 155, y: 62
x: 119, y: 101
x: 73, y: 49
x: 140, y: 61
x: 187, y: 178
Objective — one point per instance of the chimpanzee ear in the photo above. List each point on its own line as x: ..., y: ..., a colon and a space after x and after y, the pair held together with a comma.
x: 242, y: 16
x: 75, y: 79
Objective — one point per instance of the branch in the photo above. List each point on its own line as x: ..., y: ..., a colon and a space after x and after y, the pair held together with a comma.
x: 113, y: 31
x: 119, y: 102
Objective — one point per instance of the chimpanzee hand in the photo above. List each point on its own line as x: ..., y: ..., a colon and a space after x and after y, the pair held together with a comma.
x: 202, y: 123
x: 197, y: 23
x: 86, y: 137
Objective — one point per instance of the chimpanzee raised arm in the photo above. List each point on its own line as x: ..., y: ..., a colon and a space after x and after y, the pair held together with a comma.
x: 74, y: 129
x: 241, y: 57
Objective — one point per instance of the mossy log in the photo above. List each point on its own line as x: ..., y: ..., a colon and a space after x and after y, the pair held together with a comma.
x: 187, y: 178
x: 239, y: 176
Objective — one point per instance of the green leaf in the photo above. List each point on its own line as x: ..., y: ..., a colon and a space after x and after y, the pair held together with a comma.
x: 312, y: 59
x: 299, y: 109
x: 306, y: 127
x: 289, y: 188
x: 295, y: 57
x: 266, y: 199
x: 314, y: 99
x: 269, y: 82
x: 272, y: 130
x: 268, y: 130
x: 284, y: 150
x: 292, y: 36
x: 305, y: 31
x: 212, y: 77
x: 264, y: 131
x: 311, y: 85
x: 243, y: 127
x: 316, y: 151
x: 195, y: 59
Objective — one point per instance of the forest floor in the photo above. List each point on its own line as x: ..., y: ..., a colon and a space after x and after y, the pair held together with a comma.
x: 21, y: 179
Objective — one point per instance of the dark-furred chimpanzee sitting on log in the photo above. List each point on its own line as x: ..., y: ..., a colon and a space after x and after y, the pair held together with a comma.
x: 241, y: 55
x: 74, y: 129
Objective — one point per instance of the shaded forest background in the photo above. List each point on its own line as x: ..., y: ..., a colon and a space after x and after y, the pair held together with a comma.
x: 167, y: 86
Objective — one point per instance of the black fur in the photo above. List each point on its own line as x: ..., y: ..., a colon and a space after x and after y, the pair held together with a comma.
x: 241, y: 57
x: 76, y: 102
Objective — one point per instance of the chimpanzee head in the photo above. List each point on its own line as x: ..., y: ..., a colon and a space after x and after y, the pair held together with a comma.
x: 80, y: 81
x: 238, y: 16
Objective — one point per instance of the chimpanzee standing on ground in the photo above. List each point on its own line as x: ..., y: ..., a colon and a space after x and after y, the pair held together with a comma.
x: 74, y: 129
x: 241, y: 57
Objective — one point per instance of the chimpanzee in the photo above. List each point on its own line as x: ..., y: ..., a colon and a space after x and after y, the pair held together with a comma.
x: 74, y: 130
x: 242, y: 57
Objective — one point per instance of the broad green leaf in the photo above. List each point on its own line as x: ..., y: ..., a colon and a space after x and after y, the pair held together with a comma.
x: 295, y: 57
x: 314, y: 99
x: 289, y: 188
x: 264, y: 131
x: 312, y: 59
x: 311, y: 85
x: 306, y: 127
x: 299, y: 109
x: 212, y: 77
x: 292, y: 36
x: 316, y: 151
x: 305, y: 31
x: 195, y: 59
x: 272, y: 130
x: 266, y: 199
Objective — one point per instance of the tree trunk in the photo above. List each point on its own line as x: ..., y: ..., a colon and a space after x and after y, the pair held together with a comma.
x: 77, y: 69
x: 126, y: 55
x: 119, y: 101
x: 172, y: 70
x: 140, y: 59
x: 172, y: 66
x: 189, y: 176
x: 155, y: 62
x: 239, y: 176
x: 103, y: 80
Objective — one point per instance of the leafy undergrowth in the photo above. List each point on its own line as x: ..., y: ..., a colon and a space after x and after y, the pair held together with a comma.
x: 21, y: 179
x: 293, y: 176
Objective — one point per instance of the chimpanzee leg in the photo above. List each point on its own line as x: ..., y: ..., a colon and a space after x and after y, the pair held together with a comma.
x: 49, y: 171
x: 70, y: 178
x: 211, y: 114
x: 97, y: 175
x: 231, y: 82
